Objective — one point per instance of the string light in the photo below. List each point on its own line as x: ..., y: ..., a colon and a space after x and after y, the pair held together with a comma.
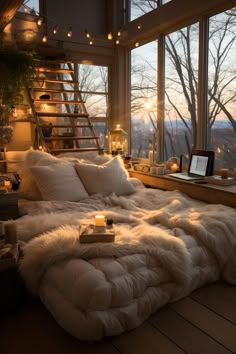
x: 87, y: 34
x: 139, y: 26
x: 109, y: 36
x: 69, y: 33
x: 39, y: 21
x: 55, y: 30
x: 44, y: 38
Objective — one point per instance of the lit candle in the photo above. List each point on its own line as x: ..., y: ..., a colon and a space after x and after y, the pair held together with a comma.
x: 174, y: 167
x: 99, y: 220
x: 7, y: 184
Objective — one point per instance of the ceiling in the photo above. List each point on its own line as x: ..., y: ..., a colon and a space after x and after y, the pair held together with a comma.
x: 8, y: 9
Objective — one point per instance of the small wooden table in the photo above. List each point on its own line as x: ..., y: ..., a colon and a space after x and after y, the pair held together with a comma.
x: 9, y: 206
x: 209, y: 193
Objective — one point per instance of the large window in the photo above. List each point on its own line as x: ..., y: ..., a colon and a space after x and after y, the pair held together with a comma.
x: 212, y: 124
x: 29, y: 6
x: 143, y: 98
x: 140, y: 7
x: 181, y: 86
x: 222, y: 88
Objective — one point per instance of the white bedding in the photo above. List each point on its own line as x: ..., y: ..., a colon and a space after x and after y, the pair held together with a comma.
x: 166, y: 245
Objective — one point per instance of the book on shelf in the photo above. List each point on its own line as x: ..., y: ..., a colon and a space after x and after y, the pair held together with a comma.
x: 91, y: 233
x: 215, y: 179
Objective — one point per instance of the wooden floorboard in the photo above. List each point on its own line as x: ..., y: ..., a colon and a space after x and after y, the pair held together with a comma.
x: 210, y: 323
x: 220, y: 298
x: 202, y: 323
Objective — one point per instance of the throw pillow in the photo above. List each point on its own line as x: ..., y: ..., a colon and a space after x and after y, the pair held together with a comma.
x: 107, y: 178
x: 28, y: 188
x: 59, y: 182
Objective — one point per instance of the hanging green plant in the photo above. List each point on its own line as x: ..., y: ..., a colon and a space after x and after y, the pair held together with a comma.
x: 16, y: 68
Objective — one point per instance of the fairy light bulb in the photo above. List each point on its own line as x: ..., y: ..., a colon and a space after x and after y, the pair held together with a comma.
x: 55, y: 29
x: 91, y: 41
x: 39, y: 21
x: 69, y: 33
x: 109, y: 36
x: 117, y: 41
x: 139, y: 26
x: 137, y: 44
x: 87, y: 34
x: 44, y: 38
x: 119, y: 33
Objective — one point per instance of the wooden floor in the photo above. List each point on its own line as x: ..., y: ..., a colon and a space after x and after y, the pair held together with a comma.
x: 204, y: 322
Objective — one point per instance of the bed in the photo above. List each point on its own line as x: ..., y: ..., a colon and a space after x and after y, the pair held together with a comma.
x: 166, y: 244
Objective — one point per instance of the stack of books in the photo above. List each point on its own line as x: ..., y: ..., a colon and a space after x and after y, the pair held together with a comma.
x: 91, y: 233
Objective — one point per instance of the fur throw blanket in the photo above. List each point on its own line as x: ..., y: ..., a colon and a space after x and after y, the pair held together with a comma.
x: 183, y: 243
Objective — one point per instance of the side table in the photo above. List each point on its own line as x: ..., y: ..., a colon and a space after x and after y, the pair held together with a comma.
x: 9, y: 205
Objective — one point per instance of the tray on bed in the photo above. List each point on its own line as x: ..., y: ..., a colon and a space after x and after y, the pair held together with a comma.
x: 90, y: 233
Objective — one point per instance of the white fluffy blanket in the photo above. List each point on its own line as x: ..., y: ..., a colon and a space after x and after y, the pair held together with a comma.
x: 166, y: 245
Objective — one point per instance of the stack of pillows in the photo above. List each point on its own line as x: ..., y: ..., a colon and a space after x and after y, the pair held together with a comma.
x: 72, y: 177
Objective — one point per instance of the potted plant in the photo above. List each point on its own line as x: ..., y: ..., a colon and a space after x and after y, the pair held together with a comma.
x: 16, y: 68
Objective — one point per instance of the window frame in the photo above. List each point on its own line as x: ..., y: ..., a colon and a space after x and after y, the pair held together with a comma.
x: 202, y: 112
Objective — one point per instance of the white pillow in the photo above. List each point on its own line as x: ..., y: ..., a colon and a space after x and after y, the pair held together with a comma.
x: 59, y: 182
x: 107, y: 178
x: 28, y: 188
x: 87, y: 157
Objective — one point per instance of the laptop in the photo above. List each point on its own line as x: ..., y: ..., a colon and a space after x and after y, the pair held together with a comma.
x: 201, y: 164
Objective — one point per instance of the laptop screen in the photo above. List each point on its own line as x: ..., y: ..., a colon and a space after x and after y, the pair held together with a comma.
x: 198, y: 165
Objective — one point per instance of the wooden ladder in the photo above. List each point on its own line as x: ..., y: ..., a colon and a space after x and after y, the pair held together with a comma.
x: 62, y: 121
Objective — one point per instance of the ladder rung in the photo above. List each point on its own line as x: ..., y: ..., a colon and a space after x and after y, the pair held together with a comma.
x: 57, y: 101
x: 40, y: 89
x: 66, y: 126
x: 54, y: 70
x: 62, y: 115
x: 71, y: 138
x: 53, y: 81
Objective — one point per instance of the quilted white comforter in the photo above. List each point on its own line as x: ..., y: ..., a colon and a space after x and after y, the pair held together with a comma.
x: 166, y: 245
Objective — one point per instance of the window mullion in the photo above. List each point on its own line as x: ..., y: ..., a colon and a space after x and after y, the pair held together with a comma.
x: 202, y: 126
x: 160, y: 97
